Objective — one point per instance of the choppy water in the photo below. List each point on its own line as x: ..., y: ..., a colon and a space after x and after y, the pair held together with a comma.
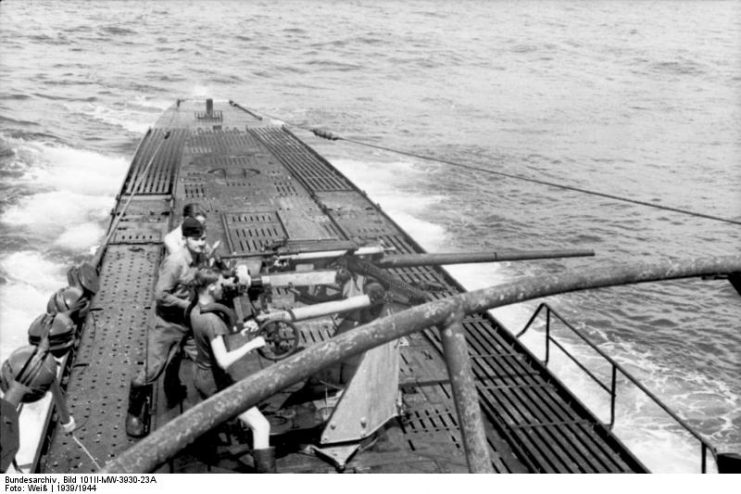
x: 632, y: 98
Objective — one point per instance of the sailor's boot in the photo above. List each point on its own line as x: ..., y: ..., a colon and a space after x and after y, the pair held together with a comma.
x: 264, y: 460
x: 137, y: 416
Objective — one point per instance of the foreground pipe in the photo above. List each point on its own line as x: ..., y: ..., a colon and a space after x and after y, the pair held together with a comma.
x: 412, y: 260
x: 166, y: 441
x: 466, y: 396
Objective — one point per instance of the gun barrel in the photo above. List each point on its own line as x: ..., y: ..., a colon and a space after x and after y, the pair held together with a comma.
x: 412, y: 260
x: 297, y: 278
x: 319, y: 310
x: 332, y: 254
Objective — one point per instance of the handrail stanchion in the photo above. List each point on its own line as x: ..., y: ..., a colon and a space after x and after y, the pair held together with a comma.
x: 615, y: 369
x: 465, y: 395
x: 547, y: 334
x: 613, y: 395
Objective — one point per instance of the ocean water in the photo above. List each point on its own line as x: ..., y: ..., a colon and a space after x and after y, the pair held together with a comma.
x: 632, y: 98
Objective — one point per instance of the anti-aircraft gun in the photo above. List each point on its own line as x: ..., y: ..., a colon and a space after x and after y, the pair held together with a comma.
x: 340, y: 409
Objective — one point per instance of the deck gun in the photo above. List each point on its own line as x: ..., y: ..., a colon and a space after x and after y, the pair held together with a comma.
x: 329, y: 272
x: 374, y: 260
x: 349, y: 401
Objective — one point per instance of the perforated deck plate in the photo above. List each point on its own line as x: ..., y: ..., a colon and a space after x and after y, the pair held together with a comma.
x: 138, y: 233
x: 113, y: 340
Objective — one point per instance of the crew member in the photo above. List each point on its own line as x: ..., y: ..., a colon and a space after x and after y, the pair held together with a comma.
x: 211, y: 322
x: 174, y: 240
x: 173, y: 296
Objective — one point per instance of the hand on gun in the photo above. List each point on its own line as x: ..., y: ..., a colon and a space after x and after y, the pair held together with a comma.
x: 249, y: 326
x: 210, y: 249
x: 258, y: 342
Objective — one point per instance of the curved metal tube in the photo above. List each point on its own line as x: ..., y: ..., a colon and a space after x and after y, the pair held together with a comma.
x: 166, y: 441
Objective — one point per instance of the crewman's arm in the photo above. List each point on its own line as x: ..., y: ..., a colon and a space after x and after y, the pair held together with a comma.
x: 226, y: 358
x: 167, y: 281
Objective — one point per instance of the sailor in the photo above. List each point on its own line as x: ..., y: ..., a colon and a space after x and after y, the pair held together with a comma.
x: 211, y: 322
x: 173, y: 296
x: 174, y: 240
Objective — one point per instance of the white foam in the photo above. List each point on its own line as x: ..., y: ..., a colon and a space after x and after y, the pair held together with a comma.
x: 31, y: 268
x: 147, y: 103
x: 80, y: 171
x: 53, y: 211
x: 387, y: 183
x: 80, y: 238
x: 382, y: 177
x: 136, y: 116
x: 76, y: 190
x: 200, y: 91
x: 19, y: 305
x: 30, y: 280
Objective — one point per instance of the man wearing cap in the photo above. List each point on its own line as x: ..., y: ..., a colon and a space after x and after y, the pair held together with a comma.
x: 174, y: 240
x: 173, y: 297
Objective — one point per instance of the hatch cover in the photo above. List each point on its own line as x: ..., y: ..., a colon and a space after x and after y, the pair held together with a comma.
x: 253, y: 232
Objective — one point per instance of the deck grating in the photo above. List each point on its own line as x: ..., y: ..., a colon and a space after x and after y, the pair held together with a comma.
x: 161, y: 173
x: 308, y: 167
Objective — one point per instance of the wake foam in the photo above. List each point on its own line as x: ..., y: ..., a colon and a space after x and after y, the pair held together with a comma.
x: 69, y: 194
x: 134, y: 116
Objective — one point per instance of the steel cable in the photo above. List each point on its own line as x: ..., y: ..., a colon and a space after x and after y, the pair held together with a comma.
x: 334, y: 137
x: 84, y: 449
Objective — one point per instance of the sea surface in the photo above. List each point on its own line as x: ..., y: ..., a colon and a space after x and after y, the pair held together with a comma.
x: 640, y: 99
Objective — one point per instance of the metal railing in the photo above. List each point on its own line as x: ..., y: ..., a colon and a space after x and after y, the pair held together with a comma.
x: 614, y: 369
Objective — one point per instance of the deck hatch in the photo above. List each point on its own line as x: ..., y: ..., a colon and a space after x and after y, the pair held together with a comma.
x: 252, y: 232
x: 220, y: 143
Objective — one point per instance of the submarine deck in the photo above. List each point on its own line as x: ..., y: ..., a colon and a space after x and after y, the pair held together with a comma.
x: 260, y: 184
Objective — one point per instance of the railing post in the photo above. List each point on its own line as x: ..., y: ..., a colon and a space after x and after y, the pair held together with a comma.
x: 547, y: 334
x: 613, y: 396
x: 465, y: 394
